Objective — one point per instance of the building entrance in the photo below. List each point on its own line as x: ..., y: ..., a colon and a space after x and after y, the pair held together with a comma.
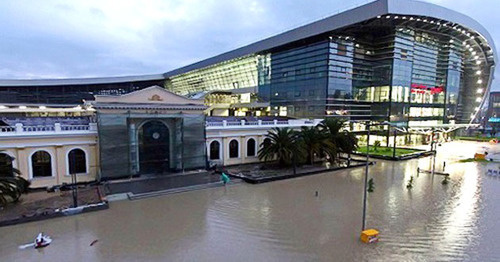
x: 154, y: 148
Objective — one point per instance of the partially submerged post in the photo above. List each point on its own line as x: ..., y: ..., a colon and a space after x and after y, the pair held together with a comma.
x: 394, y: 144
x: 366, y: 173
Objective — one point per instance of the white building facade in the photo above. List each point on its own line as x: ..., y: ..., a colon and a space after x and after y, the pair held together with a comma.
x: 48, y: 155
x: 238, y: 142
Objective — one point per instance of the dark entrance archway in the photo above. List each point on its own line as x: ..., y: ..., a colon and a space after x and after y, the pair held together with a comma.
x: 6, y: 168
x: 154, y: 148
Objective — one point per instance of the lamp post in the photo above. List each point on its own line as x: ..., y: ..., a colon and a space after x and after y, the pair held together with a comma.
x: 367, y: 124
x: 73, y: 181
x: 433, y: 149
x: 394, y: 144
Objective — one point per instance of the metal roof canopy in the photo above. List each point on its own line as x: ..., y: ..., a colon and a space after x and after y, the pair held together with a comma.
x: 427, y: 130
x: 342, y: 20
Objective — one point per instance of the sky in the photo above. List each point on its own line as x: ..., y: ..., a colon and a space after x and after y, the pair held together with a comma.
x: 102, y: 38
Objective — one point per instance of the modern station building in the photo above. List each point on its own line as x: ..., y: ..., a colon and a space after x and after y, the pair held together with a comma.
x: 390, y: 60
x: 413, y: 64
x: 492, y: 118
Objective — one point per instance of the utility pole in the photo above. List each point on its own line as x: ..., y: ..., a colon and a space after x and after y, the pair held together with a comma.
x: 394, y: 145
x: 433, y: 149
x: 73, y: 181
x: 366, y: 173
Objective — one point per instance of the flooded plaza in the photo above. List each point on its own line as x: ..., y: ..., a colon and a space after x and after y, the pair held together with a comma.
x: 286, y: 221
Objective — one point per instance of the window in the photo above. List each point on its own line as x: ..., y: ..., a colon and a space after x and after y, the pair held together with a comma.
x: 311, y: 108
x: 341, y: 49
x: 297, y: 109
x: 311, y: 92
x: 77, y: 162
x: 404, y: 54
x: 251, y: 147
x: 297, y: 93
x: 214, y: 150
x: 233, y: 149
x: 6, y: 169
x: 41, y: 164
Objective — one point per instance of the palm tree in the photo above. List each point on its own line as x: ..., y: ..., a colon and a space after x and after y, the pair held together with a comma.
x: 12, y: 185
x: 315, y: 141
x: 345, y: 142
x: 283, y: 146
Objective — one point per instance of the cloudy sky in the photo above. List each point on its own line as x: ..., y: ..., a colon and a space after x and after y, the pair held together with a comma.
x: 92, y: 38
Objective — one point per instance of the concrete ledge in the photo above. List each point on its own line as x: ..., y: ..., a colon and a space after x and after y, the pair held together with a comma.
x: 132, y: 196
x: 253, y: 180
x: 57, y: 213
x: 398, y: 158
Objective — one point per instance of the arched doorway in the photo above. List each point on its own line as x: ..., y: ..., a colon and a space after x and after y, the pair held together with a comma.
x: 6, y: 168
x: 154, y: 148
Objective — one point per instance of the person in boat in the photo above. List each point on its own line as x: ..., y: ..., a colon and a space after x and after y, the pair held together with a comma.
x: 41, y: 240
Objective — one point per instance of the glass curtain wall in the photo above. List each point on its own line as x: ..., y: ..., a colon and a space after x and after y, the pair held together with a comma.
x: 233, y: 74
x: 298, y: 84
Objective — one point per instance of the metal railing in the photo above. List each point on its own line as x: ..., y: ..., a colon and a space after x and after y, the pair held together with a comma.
x: 56, y: 129
x: 75, y: 127
x: 260, y: 123
x: 4, y: 129
x: 38, y: 128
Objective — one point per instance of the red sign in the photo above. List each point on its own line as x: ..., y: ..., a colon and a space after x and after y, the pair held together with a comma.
x: 422, y: 89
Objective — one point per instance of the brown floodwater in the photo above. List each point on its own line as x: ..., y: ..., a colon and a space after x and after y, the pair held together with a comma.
x: 285, y: 221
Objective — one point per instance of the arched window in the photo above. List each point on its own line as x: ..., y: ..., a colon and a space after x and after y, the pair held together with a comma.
x: 41, y: 164
x: 214, y: 150
x: 77, y: 162
x: 233, y: 149
x: 251, y: 147
x: 6, y: 169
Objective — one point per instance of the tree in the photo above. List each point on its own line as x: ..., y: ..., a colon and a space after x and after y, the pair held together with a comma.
x: 344, y: 141
x: 315, y: 141
x: 12, y: 186
x: 283, y: 146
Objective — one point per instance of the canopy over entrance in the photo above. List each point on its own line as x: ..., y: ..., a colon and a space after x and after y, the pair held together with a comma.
x: 427, y: 130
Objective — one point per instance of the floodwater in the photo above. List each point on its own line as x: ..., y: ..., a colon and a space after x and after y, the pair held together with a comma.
x: 285, y: 221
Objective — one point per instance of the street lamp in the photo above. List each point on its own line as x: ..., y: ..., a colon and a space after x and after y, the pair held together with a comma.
x: 368, y: 235
x: 367, y: 125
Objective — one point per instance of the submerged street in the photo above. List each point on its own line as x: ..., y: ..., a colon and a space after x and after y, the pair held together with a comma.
x: 286, y: 221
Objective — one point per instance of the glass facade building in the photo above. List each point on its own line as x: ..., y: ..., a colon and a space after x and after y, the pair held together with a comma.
x: 413, y: 69
x: 402, y: 61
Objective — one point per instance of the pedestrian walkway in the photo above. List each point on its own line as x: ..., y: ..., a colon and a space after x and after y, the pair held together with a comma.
x: 163, y: 184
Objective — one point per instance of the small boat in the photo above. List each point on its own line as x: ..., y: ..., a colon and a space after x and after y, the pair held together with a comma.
x: 42, y: 241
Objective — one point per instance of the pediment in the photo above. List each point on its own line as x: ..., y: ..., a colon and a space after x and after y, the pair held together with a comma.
x: 149, y: 95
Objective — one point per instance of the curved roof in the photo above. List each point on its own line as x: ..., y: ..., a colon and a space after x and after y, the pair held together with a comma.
x: 353, y: 16
x: 79, y: 81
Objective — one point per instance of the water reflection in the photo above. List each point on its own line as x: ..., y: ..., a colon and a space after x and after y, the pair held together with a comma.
x: 286, y: 221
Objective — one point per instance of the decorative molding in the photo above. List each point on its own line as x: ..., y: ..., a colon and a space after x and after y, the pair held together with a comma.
x: 155, y: 97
